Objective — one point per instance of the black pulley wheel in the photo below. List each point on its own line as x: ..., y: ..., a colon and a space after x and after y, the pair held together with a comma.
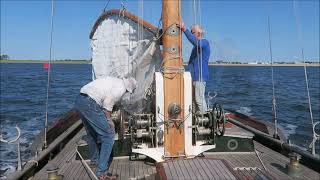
x: 219, y: 116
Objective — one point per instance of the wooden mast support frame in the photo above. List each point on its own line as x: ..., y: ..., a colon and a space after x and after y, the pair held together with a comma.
x: 173, y: 79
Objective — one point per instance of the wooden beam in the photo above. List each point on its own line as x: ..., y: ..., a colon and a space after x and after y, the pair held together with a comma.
x: 173, y: 76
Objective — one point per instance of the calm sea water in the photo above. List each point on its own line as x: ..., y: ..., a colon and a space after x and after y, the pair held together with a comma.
x: 246, y: 89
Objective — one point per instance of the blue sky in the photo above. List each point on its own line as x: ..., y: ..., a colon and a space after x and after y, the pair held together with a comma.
x: 236, y: 30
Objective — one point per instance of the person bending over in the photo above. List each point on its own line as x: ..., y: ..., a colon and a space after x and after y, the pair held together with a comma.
x: 94, y: 105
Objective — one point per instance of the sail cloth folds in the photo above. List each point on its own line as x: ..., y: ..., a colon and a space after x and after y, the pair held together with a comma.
x: 122, y: 46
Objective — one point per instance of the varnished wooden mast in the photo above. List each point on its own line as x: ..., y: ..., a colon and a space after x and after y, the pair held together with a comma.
x: 173, y: 78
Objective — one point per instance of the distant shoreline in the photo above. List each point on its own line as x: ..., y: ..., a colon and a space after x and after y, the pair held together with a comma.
x: 41, y: 62
x: 210, y: 64
x: 266, y: 65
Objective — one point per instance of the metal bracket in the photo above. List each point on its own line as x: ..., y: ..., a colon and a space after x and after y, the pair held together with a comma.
x: 174, y: 49
x: 173, y: 31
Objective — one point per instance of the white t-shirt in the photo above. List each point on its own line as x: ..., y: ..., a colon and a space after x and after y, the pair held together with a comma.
x: 105, y: 91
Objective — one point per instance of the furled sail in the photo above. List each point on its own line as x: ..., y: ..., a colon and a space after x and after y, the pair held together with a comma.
x: 124, y: 45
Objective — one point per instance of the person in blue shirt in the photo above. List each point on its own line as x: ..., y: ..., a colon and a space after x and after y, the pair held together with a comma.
x: 198, y: 63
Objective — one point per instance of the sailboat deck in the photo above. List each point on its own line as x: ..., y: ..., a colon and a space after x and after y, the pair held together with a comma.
x: 71, y: 168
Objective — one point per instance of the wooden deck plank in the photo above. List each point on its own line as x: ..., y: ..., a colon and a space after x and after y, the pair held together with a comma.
x: 136, y: 170
x: 248, y: 159
x: 167, y: 172
x: 190, y: 170
x: 114, y: 165
x: 220, y: 172
x: 270, y: 160
x: 65, y: 169
x: 236, y: 161
x: 140, y: 169
x: 73, y: 170
x: 76, y: 170
x: 60, y: 159
x: 184, y: 169
x: 206, y: 168
x: 131, y: 169
x: 79, y: 170
x: 226, y: 171
x: 278, y: 167
x: 111, y: 166
x: 274, y: 161
x: 118, y: 167
x: 195, y: 168
x: 215, y: 170
x: 151, y: 169
x: 145, y: 169
x: 269, y: 156
x: 173, y: 171
x: 68, y: 152
x: 201, y: 171
x: 84, y: 175
x: 121, y: 169
x: 178, y: 169
x: 69, y: 171
x: 127, y: 170
x: 212, y: 170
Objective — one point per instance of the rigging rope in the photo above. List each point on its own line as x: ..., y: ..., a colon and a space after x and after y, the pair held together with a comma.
x: 299, y: 29
x: 49, y: 72
x: 274, y: 104
x: 197, y: 14
x: 180, y: 54
x: 105, y: 7
x: 200, y: 24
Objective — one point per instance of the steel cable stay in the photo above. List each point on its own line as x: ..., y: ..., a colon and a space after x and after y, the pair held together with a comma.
x: 48, y: 80
x: 105, y: 7
x: 196, y: 15
x: 274, y: 103
x: 16, y: 140
x: 300, y: 41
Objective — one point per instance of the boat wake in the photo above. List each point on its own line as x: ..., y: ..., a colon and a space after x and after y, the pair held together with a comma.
x: 5, y: 170
x: 9, y: 151
x: 245, y: 110
x: 288, y: 129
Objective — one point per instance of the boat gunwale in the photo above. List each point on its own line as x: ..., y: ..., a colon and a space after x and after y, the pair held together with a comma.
x: 37, y: 162
x: 31, y: 165
x: 279, y: 145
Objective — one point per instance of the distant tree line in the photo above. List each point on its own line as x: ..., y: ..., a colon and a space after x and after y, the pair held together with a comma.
x: 4, y: 57
x: 71, y: 60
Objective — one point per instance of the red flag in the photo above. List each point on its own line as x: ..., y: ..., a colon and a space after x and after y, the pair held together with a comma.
x: 46, y: 66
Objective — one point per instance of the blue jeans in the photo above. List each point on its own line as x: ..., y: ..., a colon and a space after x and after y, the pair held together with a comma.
x: 199, y: 91
x: 97, y: 127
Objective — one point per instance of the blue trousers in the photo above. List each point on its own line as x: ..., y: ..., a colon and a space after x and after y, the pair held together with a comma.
x: 98, y: 127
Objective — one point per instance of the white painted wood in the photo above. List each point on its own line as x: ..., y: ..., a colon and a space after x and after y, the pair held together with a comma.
x: 191, y: 150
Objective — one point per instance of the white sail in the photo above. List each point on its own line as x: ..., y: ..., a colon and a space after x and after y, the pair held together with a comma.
x: 122, y: 47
